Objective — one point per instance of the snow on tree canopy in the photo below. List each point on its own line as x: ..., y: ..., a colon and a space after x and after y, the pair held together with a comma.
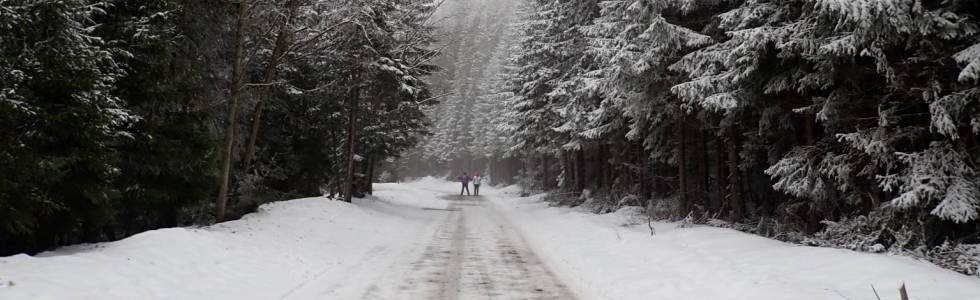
x: 938, y: 177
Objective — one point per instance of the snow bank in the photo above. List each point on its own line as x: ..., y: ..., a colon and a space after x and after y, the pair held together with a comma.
x: 601, y: 259
x: 270, y: 254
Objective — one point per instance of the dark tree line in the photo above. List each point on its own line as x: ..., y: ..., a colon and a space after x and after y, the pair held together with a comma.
x: 122, y: 116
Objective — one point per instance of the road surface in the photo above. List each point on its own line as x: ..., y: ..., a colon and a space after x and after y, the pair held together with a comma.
x: 468, y: 252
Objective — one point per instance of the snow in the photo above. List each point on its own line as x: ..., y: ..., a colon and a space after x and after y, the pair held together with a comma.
x: 271, y: 254
x: 422, y: 193
x: 317, y: 248
x: 600, y: 258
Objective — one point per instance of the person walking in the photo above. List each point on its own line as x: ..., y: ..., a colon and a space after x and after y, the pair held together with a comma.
x: 465, y: 180
x: 477, y: 180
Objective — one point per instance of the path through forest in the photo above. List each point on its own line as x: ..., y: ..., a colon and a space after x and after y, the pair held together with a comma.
x: 471, y: 252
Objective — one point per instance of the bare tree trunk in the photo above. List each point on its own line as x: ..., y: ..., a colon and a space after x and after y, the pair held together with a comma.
x: 502, y: 176
x: 507, y: 170
x: 721, y: 173
x: 235, y: 89
x: 370, y: 174
x: 629, y: 161
x: 659, y: 189
x: 735, y: 176
x: 352, y: 138
x: 579, y: 170
x: 278, y: 52
x: 703, y: 161
x: 615, y: 165
x: 645, y: 176
x: 602, y: 175
x: 810, y: 134
x: 566, y: 173
x: 492, y: 170
x: 516, y: 165
x: 545, y: 174
x: 681, y: 168
x: 569, y: 171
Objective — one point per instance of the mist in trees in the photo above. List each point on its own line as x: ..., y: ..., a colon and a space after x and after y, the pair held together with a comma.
x: 476, y: 39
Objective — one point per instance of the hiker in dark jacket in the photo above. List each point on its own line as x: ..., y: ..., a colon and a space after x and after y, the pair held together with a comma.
x: 465, y: 180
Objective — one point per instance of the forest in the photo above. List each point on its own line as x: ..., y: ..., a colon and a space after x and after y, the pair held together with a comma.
x: 850, y: 124
x: 123, y: 116
x: 838, y: 123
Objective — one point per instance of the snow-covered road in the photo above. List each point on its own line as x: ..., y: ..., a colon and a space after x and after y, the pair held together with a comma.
x: 471, y: 252
x: 419, y: 241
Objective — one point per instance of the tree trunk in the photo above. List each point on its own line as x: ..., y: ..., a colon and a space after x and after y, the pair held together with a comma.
x: 492, y: 170
x: 602, y: 176
x: 235, y: 89
x: 579, y: 170
x: 278, y: 52
x: 681, y: 169
x: 630, y: 163
x: 703, y: 163
x: 512, y: 169
x: 735, y: 176
x: 658, y: 183
x: 515, y: 168
x: 352, y: 137
x: 503, y: 168
x: 571, y: 173
x: 545, y: 174
x: 370, y: 175
x: 645, y: 177
x: 809, y: 130
x: 565, y: 172
x: 721, y: 174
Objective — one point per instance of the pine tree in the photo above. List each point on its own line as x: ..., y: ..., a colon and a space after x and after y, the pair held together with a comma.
x: 534, y: 114
x: 167, y: 167
x: 892, y: 50
x: 60, y: 120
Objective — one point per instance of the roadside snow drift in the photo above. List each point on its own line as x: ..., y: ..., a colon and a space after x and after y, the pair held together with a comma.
x: 271, y: 254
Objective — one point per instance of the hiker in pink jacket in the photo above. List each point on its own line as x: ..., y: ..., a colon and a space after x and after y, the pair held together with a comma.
x: 477, y: 180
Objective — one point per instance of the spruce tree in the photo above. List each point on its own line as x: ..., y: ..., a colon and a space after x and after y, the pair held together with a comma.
x: 60, y: 119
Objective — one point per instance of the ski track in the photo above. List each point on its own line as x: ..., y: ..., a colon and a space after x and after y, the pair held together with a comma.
x: 468, y: 252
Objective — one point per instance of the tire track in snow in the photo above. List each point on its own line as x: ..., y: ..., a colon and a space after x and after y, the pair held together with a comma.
x: 475, y: 254
x: 469, y: 251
